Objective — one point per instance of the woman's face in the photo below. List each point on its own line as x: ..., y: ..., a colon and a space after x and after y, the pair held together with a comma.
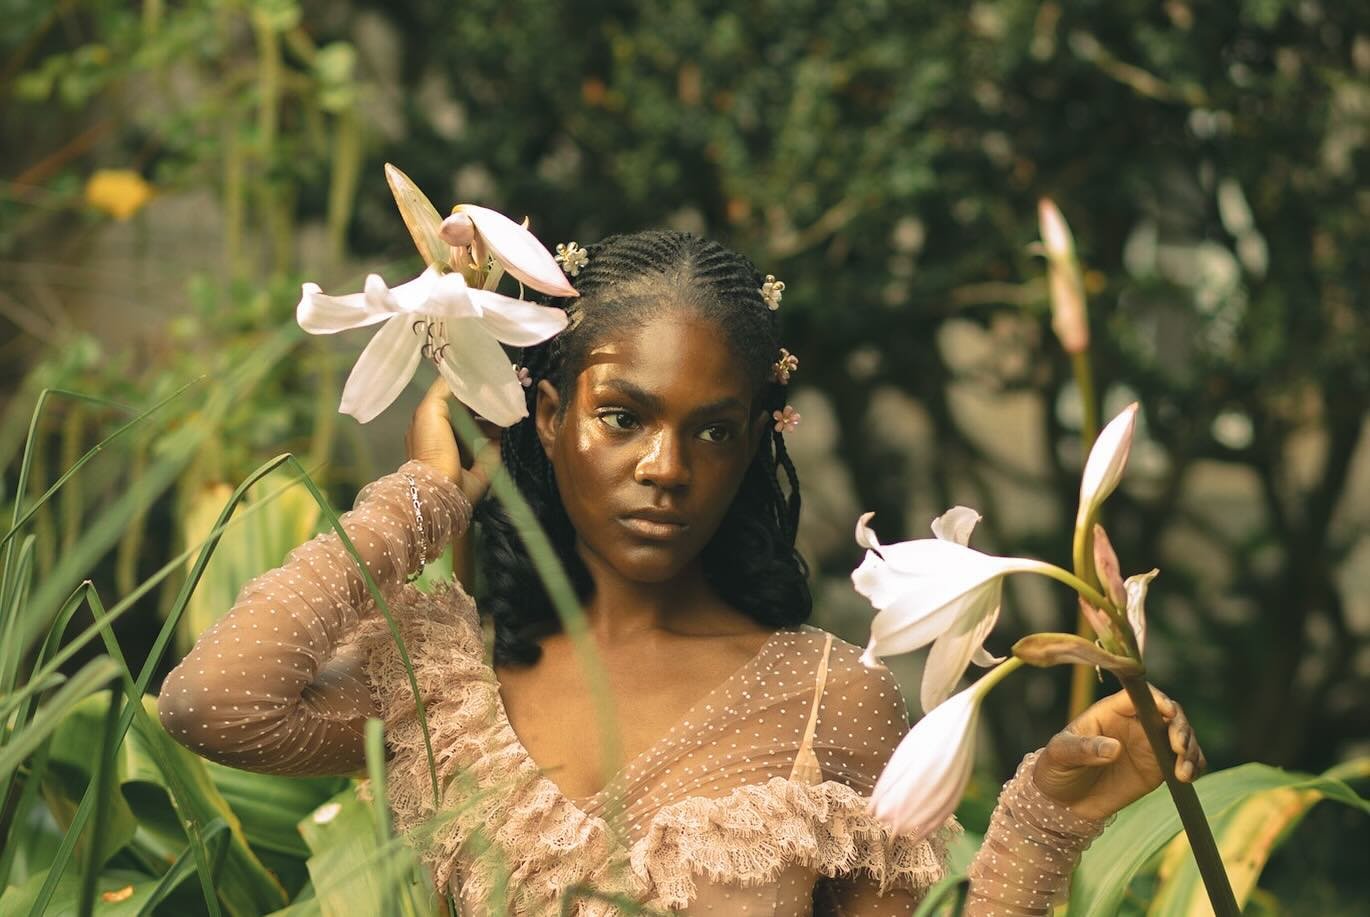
x: 652, y: 447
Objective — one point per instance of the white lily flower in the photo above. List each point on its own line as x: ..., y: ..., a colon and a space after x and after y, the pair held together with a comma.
x: 438, y: 317
x: 1136, y: 587
x: 928, y: 772
x: 1107, y: 459
x: 934, y: 590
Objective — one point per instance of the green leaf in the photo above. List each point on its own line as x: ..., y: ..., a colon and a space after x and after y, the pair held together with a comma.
x: 91, y: 677
x: 1247, y: 834
x: 352, y: 871
x: 1145, y: 827
x: 118, y: 893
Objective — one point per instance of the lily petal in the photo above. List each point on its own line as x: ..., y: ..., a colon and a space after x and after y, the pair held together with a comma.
x: 515, y: 321
x: 382, y: 371
x: 951, y: 652
x: 519, y: 251
x: 1136, y: 587
x: 928, y: 772
x: 956, y: 524
x: 1107, y: 459
x: 864, y: 536
x: 479, y: 373
x: 318, y: 313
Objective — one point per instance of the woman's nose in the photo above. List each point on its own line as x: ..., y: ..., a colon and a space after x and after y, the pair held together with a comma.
x: 665, y: 462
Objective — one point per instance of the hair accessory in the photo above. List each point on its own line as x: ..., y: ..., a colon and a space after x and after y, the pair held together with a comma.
x: 771, y: 291
x: 524, y: 376
x: 786, y: 420
x: 781, y: 368
x: 571, y: 257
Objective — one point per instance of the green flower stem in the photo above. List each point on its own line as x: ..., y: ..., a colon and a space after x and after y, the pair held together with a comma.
x: 997, y: 674
x: 1091, y: 594
x: 1186, y: 801
x: 1082, y: 554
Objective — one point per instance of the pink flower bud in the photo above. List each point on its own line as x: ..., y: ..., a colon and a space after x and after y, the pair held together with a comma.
x: 457, y: 230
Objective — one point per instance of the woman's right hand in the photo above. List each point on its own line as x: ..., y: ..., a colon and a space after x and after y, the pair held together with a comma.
x: 430, y: 440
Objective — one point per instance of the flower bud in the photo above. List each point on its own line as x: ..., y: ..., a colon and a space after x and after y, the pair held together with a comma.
x: 1065, y: 282
x: 457, y: 230
x: 1107, y: 568
x: 1068, y: 649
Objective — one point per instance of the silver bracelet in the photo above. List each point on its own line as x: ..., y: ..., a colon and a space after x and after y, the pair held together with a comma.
x: 418, y: 519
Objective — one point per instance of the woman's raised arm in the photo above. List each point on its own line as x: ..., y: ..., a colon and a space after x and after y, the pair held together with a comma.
x: 275, y: 686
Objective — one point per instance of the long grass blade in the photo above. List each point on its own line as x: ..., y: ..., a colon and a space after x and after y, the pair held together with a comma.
x: 215, y: 836
x: 104, y: 785
x: 91, y: 678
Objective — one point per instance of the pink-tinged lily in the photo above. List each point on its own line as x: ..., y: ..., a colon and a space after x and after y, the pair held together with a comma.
x: 1104, y: 467
x: 1136, y: 588
x: 449, y: 314
x: 935, y: 590
x: 435, y: 316
x: 1065, y: 282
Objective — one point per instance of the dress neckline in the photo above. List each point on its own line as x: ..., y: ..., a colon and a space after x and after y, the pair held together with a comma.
x: 586, y: 804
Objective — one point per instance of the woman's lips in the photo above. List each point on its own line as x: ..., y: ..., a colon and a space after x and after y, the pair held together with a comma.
x: 653, y: 529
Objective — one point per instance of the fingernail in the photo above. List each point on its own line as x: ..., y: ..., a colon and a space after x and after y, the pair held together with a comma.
x: 1186, y: 770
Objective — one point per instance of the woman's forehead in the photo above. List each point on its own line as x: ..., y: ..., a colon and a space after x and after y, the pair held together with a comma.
x: 676, y: 358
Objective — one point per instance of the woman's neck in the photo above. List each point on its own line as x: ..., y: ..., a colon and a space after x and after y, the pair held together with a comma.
x: 621, y: 610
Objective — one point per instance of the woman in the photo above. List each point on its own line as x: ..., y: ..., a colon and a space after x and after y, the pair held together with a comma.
x: 751, y: 740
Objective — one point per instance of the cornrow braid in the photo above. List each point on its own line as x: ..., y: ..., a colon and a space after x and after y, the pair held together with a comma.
x: 627, y: 281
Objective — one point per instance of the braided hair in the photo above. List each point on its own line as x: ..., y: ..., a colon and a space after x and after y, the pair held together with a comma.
x: 751, y: 561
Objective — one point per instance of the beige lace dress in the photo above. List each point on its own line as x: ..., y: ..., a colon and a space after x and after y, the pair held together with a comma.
x: 753, y: 803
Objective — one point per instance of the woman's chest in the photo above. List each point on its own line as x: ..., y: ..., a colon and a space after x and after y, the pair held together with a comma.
x: 552, y: 707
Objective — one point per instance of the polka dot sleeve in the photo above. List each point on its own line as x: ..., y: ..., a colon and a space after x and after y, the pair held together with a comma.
x: 1031, y: 848
x: 278, y: 685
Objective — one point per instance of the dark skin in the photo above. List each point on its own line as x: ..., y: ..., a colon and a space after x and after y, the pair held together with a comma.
x: 661, y: 423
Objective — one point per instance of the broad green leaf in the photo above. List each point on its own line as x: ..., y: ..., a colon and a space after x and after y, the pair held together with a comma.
x: 145, y: 800
x: 270, y: 806
x: 1247, y: 835
x: 118, y: 893
x: 352, y: 872
x: 1146, y: 826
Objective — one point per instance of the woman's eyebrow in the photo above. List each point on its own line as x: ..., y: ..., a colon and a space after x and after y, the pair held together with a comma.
x: 655, y: 403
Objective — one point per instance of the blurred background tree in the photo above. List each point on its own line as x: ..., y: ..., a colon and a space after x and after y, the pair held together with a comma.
x: 884, y: 159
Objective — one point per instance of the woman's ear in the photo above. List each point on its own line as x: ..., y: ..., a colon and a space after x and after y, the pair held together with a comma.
x: 545, y: 416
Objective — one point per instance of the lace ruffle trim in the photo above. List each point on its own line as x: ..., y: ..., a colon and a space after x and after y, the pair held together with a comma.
x: 513, y: 833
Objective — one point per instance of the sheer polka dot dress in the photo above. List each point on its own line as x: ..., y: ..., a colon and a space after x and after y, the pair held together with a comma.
x: 753, y: 803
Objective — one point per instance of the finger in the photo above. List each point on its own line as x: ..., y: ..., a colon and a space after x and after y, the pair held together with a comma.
x: 1069, y: 749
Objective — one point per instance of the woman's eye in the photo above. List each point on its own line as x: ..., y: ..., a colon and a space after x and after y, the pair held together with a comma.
x: 618, y: 420
x: 717, y: 434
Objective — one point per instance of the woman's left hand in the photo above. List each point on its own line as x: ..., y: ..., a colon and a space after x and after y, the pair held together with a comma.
x: 1102, y: 761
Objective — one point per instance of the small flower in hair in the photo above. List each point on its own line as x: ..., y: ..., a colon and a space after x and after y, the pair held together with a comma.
x: 572, y: 257
x: 786, y: 420
x: 771, y: 291
x: 524, y: 376
x: 781, y: 369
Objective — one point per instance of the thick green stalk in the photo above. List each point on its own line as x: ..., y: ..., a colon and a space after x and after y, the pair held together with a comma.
x: 1186, y: 801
